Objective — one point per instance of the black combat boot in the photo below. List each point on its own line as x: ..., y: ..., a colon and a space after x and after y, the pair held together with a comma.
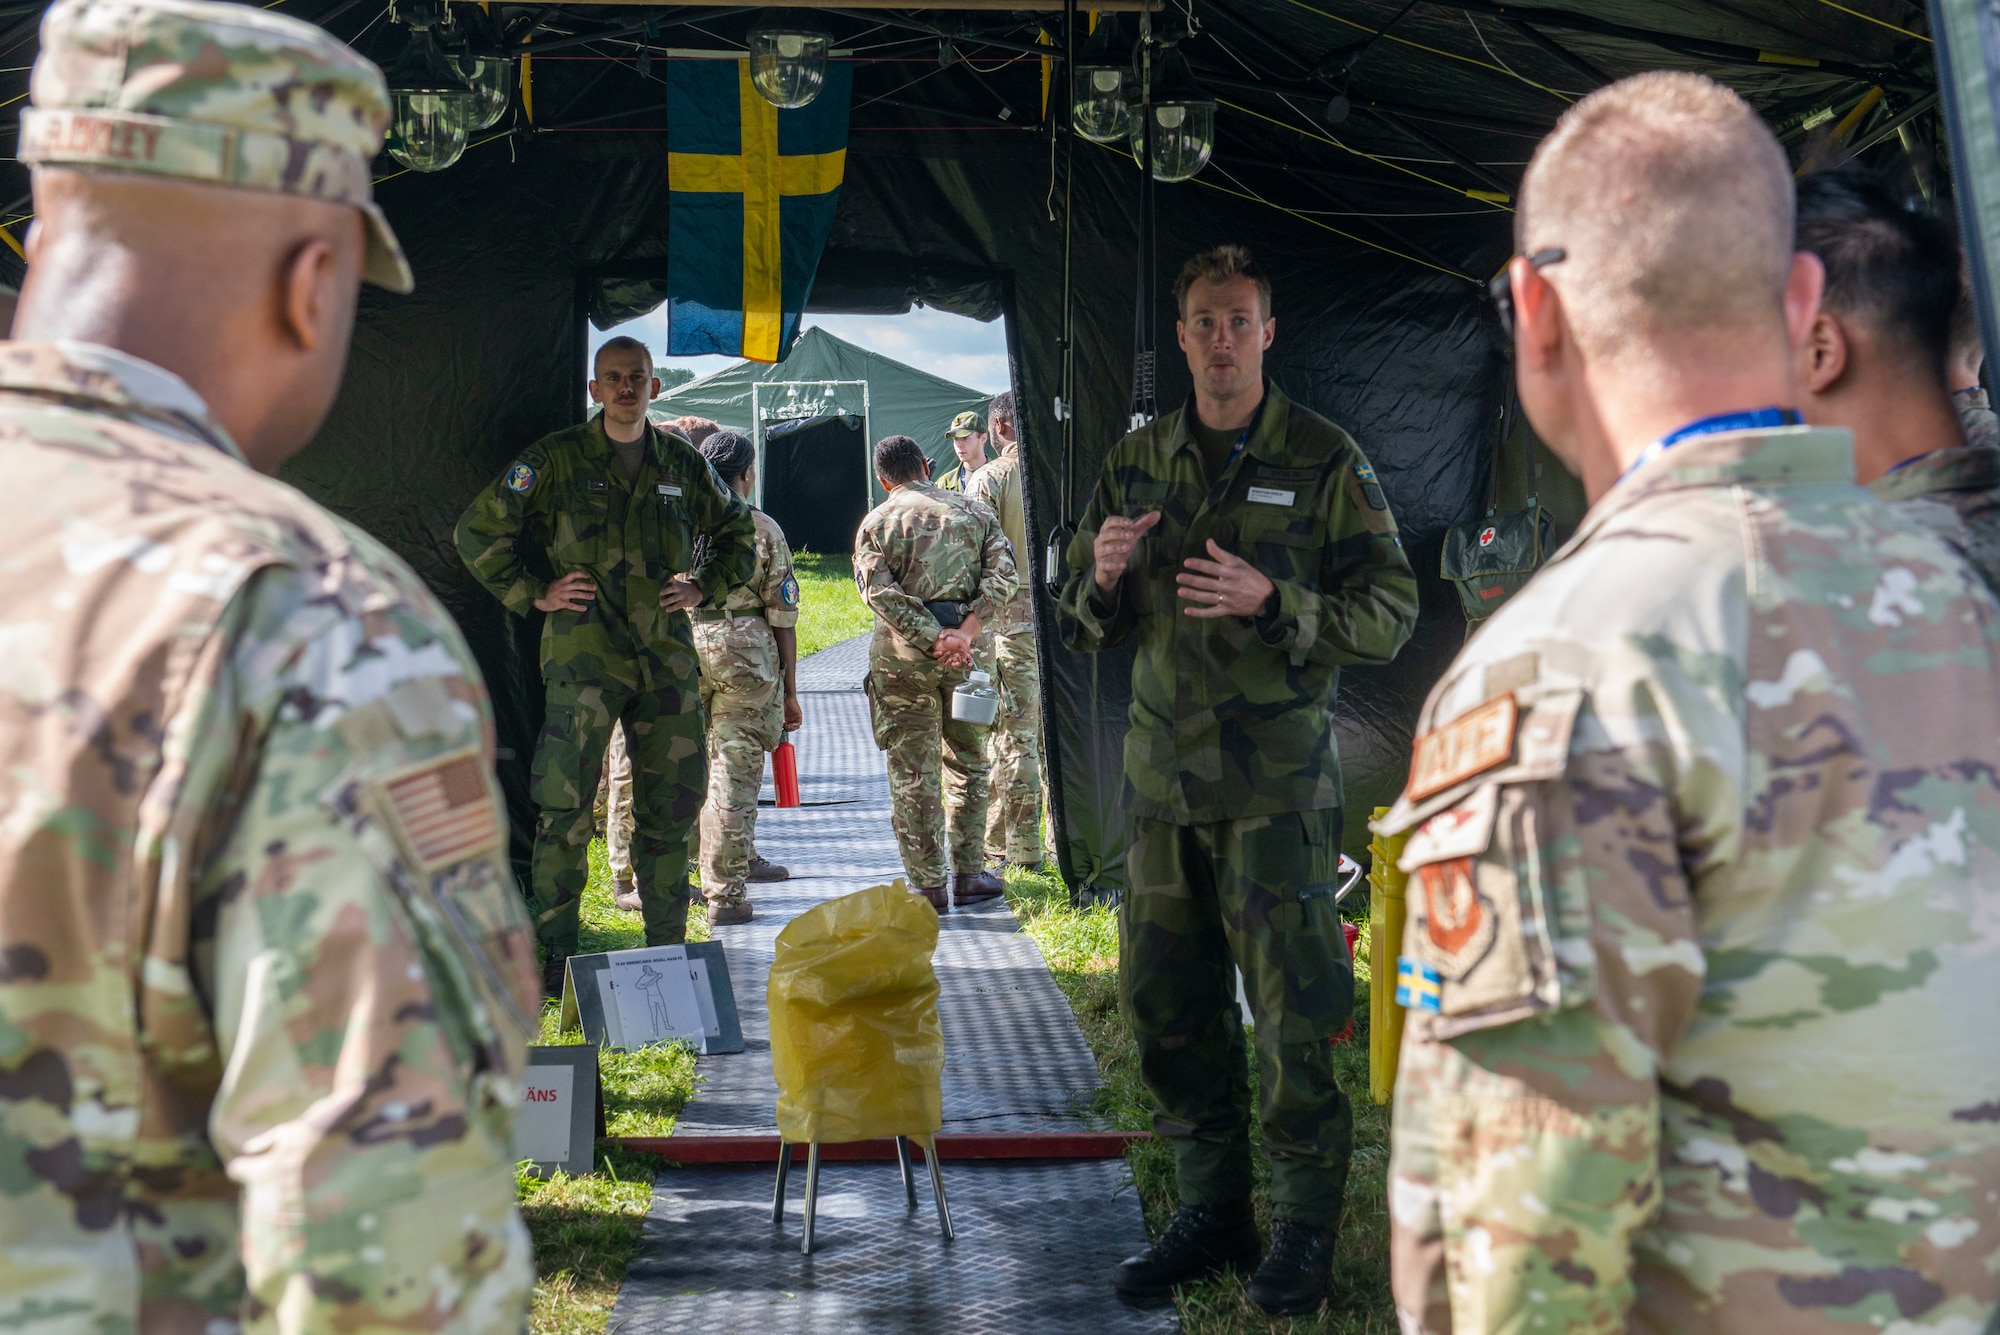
x: 1296, y: 1271
x: 554, y: 969
x: 1199, y: 1241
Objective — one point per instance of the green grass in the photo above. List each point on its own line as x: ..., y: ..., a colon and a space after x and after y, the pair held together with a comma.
x: 1081, y: 948
x: 585, y: 1228
x: 830, y: 607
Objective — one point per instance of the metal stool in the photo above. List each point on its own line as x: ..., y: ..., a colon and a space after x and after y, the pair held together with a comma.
x: 812, y: 1184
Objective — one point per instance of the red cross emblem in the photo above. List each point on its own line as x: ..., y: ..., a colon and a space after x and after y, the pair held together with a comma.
x: 1487, y: 534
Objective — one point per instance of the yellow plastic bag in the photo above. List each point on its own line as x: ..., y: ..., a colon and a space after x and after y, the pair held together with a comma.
x: 855, y: 1040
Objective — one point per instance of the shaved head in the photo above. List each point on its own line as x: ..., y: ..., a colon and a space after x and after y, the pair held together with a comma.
x: 1673, y: 203
x: 247, y: 295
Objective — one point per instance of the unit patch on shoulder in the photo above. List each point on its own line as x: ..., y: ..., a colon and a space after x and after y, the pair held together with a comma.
x: 1371, y: 490
x: 1458, y: 922
x: 1470, y: 744
x: 1418, y: 987
x: 521, y: 478
x: 442, y: 811
x: 789, y: 591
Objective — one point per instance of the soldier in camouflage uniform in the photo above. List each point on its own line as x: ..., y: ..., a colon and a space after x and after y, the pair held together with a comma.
x: 614, y: 506
x: 920, y: 553
x: 267, y: 980
x: 1968, y: 356
x: 1244, y: 542
x: 1874, y: 360
x: 1704, y: 879
x: 1014, y: 804
x: 750, y: 691
x: 968, y: 441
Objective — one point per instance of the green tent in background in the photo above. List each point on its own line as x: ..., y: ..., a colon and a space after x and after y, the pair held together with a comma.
x: 827, y: 378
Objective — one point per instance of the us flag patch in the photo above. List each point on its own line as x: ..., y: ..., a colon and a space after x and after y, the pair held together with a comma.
x: 443, y: 812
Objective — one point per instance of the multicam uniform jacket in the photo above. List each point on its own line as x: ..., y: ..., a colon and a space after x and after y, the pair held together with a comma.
x: 926, y: 545
x: 998, y: 486
x: 567, y: 493
x: 1955, y: 494
x: 265, y: 979
x: 1233, y: 717
x: 739, y: 655
x: 1704, y: 917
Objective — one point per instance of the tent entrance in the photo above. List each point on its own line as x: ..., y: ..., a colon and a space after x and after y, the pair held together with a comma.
x: 814, y: 481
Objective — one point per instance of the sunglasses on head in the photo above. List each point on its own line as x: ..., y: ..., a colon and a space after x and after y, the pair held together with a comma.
x: 1501, y: 289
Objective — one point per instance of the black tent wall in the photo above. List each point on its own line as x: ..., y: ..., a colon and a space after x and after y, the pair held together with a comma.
x: 446, y: 385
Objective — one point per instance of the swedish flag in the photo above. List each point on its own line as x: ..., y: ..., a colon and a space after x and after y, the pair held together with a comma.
x: 751, y: 195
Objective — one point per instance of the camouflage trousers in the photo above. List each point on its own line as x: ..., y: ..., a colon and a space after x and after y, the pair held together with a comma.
x: 937, y: 768
x: 1014, y: 812
x: 746, y: 721
x: 1205, y: 900
x: 662, y: 729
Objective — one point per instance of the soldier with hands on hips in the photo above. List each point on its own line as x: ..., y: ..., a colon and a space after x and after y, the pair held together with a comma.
x: 614, y: 507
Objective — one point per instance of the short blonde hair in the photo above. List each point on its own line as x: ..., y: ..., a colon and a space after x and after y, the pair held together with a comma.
x: 1219, y: 266
x: 1674, y: 204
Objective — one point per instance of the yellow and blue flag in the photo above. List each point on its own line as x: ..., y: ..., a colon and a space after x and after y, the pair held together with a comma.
x: 751, y: 195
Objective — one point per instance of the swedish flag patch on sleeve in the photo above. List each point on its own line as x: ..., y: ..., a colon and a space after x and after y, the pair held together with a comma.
x: 1418, y: 986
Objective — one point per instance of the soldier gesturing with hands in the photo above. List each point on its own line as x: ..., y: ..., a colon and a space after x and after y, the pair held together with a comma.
x: 1261, y: 524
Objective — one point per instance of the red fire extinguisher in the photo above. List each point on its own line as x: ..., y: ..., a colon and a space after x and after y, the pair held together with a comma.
x: 785, y: 772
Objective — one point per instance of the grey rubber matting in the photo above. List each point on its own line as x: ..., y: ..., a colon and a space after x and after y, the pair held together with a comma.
x: 1036, y: 1241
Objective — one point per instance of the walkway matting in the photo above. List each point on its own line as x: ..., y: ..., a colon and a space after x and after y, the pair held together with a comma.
x: 1036, y: 1242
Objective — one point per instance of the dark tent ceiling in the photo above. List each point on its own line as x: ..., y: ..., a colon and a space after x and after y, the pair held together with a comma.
x: 1379, y: 228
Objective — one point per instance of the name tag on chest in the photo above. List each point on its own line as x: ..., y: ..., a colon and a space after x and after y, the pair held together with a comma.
x: 1270, y: 496
x: 668, y: 489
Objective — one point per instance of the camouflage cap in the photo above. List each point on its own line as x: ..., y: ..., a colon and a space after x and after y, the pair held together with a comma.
x: 966, y: 424
x: 218, y: 93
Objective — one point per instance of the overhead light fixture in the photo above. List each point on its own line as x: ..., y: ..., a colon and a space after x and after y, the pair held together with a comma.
x: 492, y: 81
x: 1183, y: 137
x: 1103, y: 106
x: 433, y: 107
x: 788, y: 65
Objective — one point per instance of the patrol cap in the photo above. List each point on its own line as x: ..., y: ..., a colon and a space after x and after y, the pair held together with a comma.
x: 966, y: 424
x: 218, y: 93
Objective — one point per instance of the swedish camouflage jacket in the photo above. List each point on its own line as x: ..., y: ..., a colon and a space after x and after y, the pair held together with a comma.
x: 566, y: 495
x: 1233, y: 717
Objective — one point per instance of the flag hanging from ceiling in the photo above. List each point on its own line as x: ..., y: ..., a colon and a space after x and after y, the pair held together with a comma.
x: 751, y: 195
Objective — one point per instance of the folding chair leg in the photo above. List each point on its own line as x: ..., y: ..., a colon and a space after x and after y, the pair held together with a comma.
x: 812, y: 1196
x: 903, y: 1162
x: 937, y: 1187
x: 784, y: 1170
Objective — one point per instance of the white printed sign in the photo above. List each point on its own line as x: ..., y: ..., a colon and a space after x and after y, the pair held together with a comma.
x: 649, y: 997
x: 542, y: 1130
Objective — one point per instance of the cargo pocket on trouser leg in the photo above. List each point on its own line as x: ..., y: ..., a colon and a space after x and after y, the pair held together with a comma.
x: 1319, y: 974
x: 557, y: 774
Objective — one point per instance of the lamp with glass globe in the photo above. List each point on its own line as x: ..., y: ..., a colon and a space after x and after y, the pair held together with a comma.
x: 787, y: 65
x: 433, y: 107
x: 492, y: 81
x: 1183, y: 137
x: 1103, y: 109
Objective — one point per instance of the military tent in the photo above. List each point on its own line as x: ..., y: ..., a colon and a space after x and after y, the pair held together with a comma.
x: 815, y: 416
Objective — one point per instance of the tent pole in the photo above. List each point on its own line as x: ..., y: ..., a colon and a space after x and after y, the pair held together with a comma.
x: 1145, y: 405
x: 1068, y: 404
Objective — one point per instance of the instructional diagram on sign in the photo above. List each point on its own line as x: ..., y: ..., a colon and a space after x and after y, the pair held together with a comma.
x: 656, y: 994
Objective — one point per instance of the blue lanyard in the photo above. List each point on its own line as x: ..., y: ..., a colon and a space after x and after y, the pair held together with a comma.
x: 1758, y: 419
